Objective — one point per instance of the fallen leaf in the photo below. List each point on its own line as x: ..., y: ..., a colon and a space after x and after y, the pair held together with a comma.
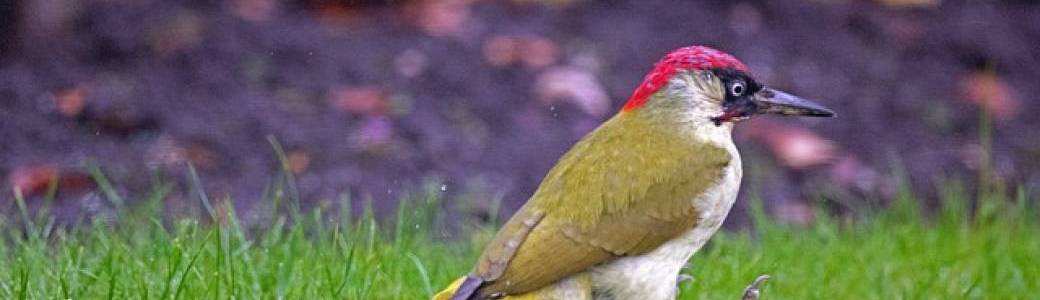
x: 36, y: 180
x: 33, y: 180
x: 538, y: 52
x: 574, y: 85
x: 365, y: 100
x: 298, y: 161
x: 794, y: 147
x: 70, y: 102
x: 338, y: 13
x: 439, y: 18
x: 501, y: 51
x: 254, y: 10
x: 990, y: 92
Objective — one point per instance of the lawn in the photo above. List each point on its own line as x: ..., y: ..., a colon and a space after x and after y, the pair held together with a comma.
x: 899, y: 253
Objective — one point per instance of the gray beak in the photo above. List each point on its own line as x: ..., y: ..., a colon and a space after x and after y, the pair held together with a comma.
x: 770, y: 101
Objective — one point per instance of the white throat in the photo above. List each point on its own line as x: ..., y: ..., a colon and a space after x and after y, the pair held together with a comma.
x: 703, y: 94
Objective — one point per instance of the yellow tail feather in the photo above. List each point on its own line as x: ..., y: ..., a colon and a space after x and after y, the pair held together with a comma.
x: 450, y: 290
x: 576, y: 287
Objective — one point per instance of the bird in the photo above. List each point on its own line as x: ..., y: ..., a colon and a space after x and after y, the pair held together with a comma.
x: 623, y: 211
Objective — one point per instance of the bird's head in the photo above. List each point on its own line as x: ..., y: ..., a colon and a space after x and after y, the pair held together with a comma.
x: 704, y: 85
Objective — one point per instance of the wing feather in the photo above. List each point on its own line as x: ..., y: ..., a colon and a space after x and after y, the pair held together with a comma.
x: 594, y: 206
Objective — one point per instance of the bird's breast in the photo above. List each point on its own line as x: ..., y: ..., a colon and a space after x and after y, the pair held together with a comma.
x: 654, y: 275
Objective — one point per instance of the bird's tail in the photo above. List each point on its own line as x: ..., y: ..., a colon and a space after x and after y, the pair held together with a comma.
x: 461, y: 289
x: 575, y: 288
x: 450, y: 290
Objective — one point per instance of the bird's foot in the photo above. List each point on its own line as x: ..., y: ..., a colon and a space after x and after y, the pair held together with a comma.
x: 683, y: 278
x: 751, y: 292
x: 679, y: 281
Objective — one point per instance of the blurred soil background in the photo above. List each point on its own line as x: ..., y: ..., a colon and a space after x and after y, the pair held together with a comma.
x: 373, y: 100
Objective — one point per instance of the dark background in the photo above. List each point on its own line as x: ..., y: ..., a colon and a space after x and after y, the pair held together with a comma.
x: 477, y: 99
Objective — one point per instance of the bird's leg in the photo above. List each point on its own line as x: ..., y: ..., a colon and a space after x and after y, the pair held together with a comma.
x: 682, y: 278
x: 751, y: 292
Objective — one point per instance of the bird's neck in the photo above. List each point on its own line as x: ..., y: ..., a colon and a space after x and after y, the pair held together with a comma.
x: 682, y: 108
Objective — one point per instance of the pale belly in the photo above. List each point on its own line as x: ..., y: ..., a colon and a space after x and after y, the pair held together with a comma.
x: 654, y: 275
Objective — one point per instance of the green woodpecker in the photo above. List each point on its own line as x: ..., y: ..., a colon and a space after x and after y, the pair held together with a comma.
x: 624, y: 210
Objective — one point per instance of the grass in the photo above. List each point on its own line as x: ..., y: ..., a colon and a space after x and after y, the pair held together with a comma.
x: 955, y: 253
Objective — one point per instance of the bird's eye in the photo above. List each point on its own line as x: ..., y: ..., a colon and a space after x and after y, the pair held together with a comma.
x: 737, y: 89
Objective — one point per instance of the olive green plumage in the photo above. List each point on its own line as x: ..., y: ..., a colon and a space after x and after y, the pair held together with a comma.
x: 618, y: 214
x: 623, y: 190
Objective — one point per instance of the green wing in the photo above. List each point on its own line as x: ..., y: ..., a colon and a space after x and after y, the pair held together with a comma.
x: 622, y: 199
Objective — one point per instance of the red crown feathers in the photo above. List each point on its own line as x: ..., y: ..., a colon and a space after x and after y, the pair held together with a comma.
x: 686, y: 58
